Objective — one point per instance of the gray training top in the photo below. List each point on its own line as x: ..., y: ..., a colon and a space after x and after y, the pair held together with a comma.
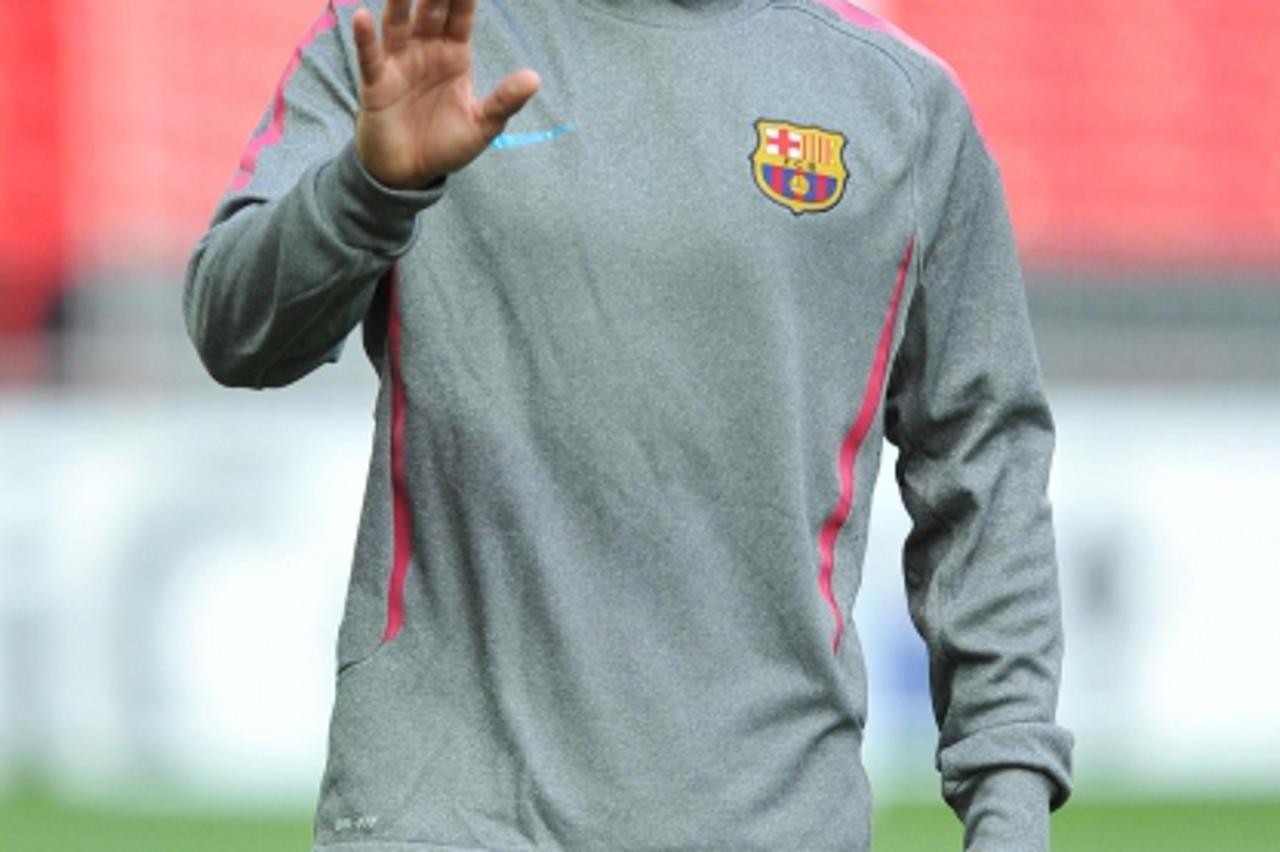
x: 636, y: 361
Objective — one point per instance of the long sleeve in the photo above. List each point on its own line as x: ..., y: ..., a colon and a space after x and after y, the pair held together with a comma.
x: 297, y: 244
x: 966, y: 409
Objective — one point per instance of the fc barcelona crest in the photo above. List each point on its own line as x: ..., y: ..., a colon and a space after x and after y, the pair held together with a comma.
x: 801, y: 168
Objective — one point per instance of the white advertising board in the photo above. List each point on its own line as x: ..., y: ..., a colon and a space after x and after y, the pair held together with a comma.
x: 172, y: 572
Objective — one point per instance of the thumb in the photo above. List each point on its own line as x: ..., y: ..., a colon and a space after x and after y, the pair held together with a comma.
x: 506, y: 99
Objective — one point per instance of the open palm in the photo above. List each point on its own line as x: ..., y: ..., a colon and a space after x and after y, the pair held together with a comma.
x: 419, y: 116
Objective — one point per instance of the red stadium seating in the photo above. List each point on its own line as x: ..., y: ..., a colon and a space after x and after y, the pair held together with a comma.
x: 1130, y: 133
x: 32, y: 225
x: 1142, y: 132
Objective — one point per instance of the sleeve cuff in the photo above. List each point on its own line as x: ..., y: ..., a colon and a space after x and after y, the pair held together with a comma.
x: 1007, y: 810
x: 367, y: 213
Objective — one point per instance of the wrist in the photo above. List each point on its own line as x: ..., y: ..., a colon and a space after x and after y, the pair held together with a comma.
x: 390, y: 179
x: 368, y: 213
x: 1007, y: 810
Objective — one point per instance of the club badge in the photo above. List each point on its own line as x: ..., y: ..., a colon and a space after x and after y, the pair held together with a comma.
x: 801, y: 168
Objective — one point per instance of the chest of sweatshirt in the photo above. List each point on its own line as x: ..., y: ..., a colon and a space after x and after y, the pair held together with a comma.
x: 621, y: 276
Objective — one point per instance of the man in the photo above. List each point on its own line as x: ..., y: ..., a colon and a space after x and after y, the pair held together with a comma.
x: 639, y: 338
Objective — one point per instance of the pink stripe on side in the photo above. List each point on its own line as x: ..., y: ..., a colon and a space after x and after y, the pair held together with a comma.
x: 852, y: 443
x: 401, y: 518
x: 860, y: 17
x: 274, y: 131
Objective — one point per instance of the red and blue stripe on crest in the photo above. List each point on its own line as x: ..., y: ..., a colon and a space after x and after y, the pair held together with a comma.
x: 821, y: 187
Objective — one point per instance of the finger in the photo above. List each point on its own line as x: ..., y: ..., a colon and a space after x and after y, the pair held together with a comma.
x: 428, y: 21
x: 461, y: 15
x: 368, y: 53
x: 507, y: 98
x: 396, y: 25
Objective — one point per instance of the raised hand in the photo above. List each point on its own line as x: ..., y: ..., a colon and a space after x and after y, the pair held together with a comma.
x: 419, y: 116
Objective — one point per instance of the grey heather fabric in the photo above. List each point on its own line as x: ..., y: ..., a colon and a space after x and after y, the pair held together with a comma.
x: 627, y: 377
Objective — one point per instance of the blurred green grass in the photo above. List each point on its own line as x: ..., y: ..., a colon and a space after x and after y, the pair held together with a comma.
x: 34, y: 821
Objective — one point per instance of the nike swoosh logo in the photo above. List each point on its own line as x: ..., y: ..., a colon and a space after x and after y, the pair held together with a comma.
x: 514, y: 140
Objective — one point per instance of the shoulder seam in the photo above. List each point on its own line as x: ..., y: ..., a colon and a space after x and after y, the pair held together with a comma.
x: 864, y: 37
x: 849, y: 30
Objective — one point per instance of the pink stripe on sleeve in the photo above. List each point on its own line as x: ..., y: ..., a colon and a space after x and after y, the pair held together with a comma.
x: 274, y: 131
x: 851, y: 445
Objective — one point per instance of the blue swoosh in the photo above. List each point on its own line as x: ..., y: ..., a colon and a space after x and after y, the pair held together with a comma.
x: 513, y: 140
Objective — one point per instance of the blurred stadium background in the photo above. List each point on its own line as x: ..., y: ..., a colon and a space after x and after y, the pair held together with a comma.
x: 173, y: 555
